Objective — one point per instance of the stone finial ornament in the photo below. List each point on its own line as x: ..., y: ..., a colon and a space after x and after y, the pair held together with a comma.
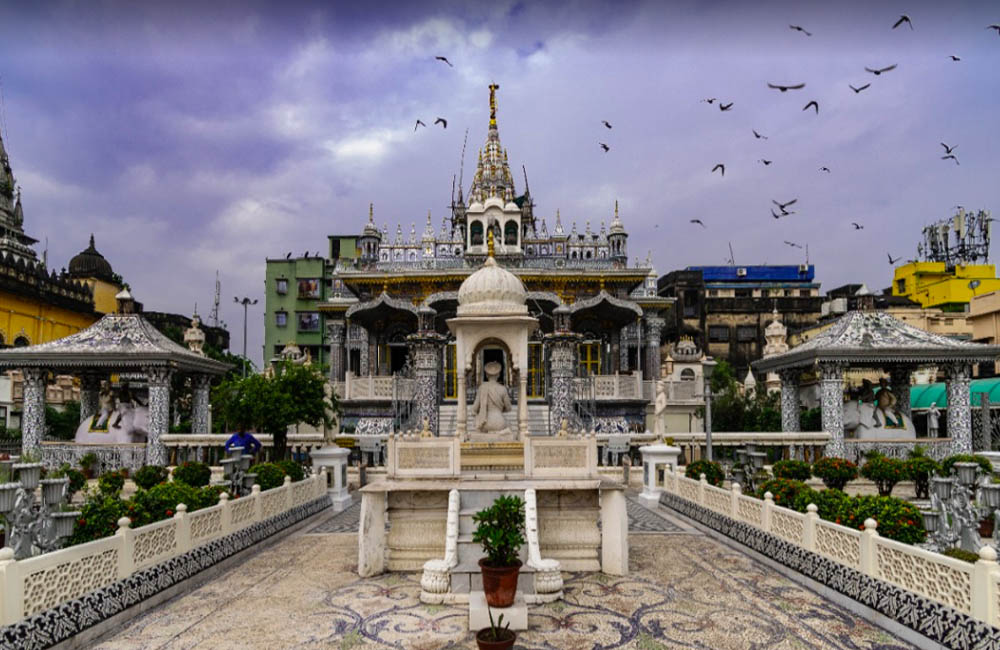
x: 194, y: 337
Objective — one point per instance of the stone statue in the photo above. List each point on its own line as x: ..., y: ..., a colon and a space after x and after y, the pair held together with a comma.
x: 194, y: 338
x: 107, y: 401
x: 933, y: 420
x: 886, y: 401
x: 492, y: 401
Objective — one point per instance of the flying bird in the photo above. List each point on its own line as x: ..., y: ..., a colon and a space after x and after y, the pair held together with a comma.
x: 778, y: 216
x: 814, y: 104
x: 289, y: 256
x: 305, y: 255
x: 605, y: 147
x: 606, y: 123
x: 443, y: 122
x: 799, y: 29
x: 445, y: 59
x: 951, y: 156
x: 857, y: 90
x: 893, y: 261
x: 996, y: 27
x: 948, y: 149
x: 954, y: 58
x: 825, y: 169
x: 725, y: 107
x: 782, y: 206
x: 766, y: 162
x: 857, y: 226
x: 720, y: 167
x: 785, y: 88
x: 758, y: 136
x: 903, y: 19
x: 709, y: 100
x: 698, y: 221
x: 879, y: 71
x: 791, y: 243
x: 419, y: 123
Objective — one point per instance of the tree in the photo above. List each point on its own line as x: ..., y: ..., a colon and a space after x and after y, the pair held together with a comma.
x: 62, y: 423
x: 734, y: 411
x: 272, y: 404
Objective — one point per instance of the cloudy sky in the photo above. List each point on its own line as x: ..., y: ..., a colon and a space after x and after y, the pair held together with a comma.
x: 195, y: 137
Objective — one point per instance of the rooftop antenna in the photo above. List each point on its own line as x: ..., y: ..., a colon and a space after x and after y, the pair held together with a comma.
x: 732, y: 256
x: 215, y: 305
x: 461, y: 164
x: 807, y: 254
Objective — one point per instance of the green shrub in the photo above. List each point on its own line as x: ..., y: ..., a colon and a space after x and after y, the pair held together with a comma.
x: 947, y: 465
x: 291, y: 468
x: 500, y: 530
x: 829, y: 503
x: 884, y: 472
x: 98, y: 518
x: 961, y: 554
x: 835, y: 472
x: 269, y: 475
x: 919, y: 469
x: 89, y: 460
x: 160, y: 502
x: 194, y: 474
x: 150, y: 475
x: 785, y: 491
x: 712, y: 471
x: 794, y: 469
x: 111, y: 483
x: 209, y: 496
x: 77, y: 481
x: 897, y: 519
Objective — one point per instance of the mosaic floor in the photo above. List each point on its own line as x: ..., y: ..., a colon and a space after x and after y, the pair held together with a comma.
x: 685, y: 591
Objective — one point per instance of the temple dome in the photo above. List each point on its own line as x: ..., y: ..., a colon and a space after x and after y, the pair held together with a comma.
x: 492, y: 290
x: 91, y: 264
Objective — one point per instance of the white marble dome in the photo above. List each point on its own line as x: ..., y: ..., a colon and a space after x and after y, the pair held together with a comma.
x: 491, y: 291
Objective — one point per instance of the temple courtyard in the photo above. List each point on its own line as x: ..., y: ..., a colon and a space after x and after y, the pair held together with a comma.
x: 684, y: 589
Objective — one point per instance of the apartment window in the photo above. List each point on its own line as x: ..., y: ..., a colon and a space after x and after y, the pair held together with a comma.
x: 718, y: 334
x: 281, y: 286
x: 901, y: 285
x: 308, y: 321
x: 309, y: 288
x: 713, y: 293
x: 804, y: 293
x: 746, y: 333
x: 281, y: 318
x: 743, y: 293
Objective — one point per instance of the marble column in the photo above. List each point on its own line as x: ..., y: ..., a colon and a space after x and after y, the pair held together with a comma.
x: 831, y: 384
x: 562, y: 364
x: 200, y: 408
x: 958, y: 377
x: 335, y: 337
x: 522, y: 403
x: 33, y: 415
x: 654, y: 325
x: 159, y: 413
x: 790, y: 405
x: 425, y: 350
x: 899, y: 381
x: 462, y: 412
x: 90, y: 395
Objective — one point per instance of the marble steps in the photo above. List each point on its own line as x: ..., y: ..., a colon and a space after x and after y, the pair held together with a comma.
x: 537, y: 418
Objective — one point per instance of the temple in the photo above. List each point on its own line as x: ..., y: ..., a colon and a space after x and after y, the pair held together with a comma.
x: 593, y: 359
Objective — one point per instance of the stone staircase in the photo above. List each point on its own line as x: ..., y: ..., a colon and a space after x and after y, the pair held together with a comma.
x: 538, y: 422
x: 466, y: 577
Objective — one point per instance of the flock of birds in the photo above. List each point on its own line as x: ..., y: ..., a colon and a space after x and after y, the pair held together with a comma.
x: 782, y: 88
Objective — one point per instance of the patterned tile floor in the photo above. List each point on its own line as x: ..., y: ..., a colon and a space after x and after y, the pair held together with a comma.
x: 685, y: 590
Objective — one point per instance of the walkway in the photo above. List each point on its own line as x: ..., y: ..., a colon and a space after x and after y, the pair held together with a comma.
x: 685, y: 590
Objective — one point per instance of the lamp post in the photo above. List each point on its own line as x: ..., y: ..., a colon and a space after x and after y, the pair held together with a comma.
x: 707, y: 367
x: 246, y: 302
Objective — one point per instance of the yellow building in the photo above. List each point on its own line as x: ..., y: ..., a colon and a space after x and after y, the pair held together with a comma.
x: 935, y: 284
x: 91, y: 267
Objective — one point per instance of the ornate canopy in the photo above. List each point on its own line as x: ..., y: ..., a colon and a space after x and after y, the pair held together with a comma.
x: 117, y: 341
x: 872, y: 338
x: 376, y: 314
x: 610, y: 312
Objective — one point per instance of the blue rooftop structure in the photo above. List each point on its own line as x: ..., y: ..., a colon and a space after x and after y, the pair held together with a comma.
x: 782, y: 273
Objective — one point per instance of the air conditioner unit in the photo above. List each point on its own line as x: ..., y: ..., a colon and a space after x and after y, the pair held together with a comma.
x: 803, y: 268
x: 741, y: 272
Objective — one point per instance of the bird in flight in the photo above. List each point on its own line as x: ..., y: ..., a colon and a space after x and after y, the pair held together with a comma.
x: 799, y: 29
x: 903, y: 19
x: 791, y: 243
x: 721, y: 168
x: 725, y: 107
x: 766, y: 162
x: 879, y: 71
x: 443, y: 122
x: 857, y: 90
x: 948, y: 149
x: 782, y: 206
x: 825, y: 169
x: 996, y: 27
x: 605, y: 147
x: 785, y: 88
x: 606, y: 123
x: 709, y: 100
x: 419, y: 123
x: 857, y: 226
x: 305, y: 255
x: 893, y: 261
x: 951, y: 156
x: 954, y: 58
x: 445, y: 59
x: 778, y: 216
x: 814, y: 104
x: 758, y: 136
x: 289, y: 256
x: 698, y: 221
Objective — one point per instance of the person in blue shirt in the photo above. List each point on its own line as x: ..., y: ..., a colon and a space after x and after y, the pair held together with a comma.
x: 243, y: 439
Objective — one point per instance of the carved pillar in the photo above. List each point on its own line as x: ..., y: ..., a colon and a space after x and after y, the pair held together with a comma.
x: 33, y: 415
x: 654, y: 325
x: 425, y: 350
x: 831, y: 383
x: 899, y: 380
x: 90, y: 395
x: 335, y: 336
x: 790, y: 407
x: 958, y: 377
x: 522, y: 404
x: 462, y: 412
x: 200, y: 385
x: 159, y: 414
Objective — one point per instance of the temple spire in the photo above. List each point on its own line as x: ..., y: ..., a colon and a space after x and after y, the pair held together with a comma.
x: 493, y: 104
x: 493, y: 177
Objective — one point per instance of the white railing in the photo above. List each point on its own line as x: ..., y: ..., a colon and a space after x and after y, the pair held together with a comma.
x: 972, y: 589
x: 36, y: 584
x: 610, y: 387
x: 376, y: 387
x: 793, y: 444
x: 683, y: 391
x: 208, y: 447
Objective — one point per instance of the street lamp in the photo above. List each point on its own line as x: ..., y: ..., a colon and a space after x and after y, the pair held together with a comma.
x: 707, y: 367
x: 246, y: 302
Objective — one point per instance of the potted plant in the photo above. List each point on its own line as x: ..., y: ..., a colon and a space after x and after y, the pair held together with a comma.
x: 88, y: 463
x: 500, y: 530
x: 497, y: 636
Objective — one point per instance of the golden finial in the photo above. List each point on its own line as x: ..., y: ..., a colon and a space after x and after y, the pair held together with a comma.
x: 489, y: 243
x: 616, y: 208
x: 371, y: 212
x: 493, y: 104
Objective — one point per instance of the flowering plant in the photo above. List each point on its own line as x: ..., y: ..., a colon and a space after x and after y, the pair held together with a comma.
x: 798, y: 470
x: 884, y: 472
x: 712, y: 471
x: 835, y: 472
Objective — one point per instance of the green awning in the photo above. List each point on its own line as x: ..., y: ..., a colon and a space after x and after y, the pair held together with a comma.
x: 923, y: 395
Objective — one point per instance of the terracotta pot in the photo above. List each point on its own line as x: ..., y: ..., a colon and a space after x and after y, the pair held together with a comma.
x: 507, y: 638
x: 499, y: 583
x: 986, y: 527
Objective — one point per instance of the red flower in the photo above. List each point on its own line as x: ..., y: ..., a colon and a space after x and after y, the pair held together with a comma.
x: 170, y: 513
x: 82, y: 522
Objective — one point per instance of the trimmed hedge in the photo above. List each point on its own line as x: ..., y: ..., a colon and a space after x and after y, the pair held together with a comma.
x: 269, y: 475
x: 835, y: 472
x: 194, y: 474
x: 786, y: 492
x: 111, y: 482
x: 291, y: 468
x: 884, y: 472
x: 797, y: 470
x: 149, y: 475
x: 712, y: 471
